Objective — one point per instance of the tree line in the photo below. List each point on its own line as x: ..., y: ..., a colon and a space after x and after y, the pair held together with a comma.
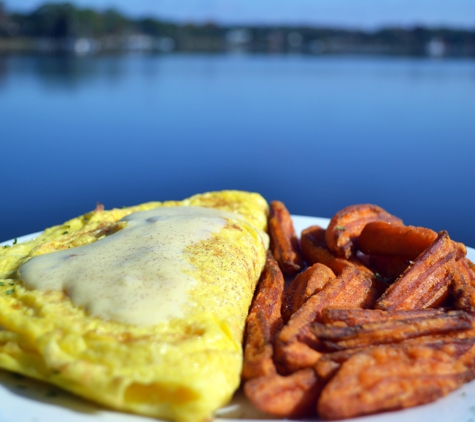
x: 65, y: 21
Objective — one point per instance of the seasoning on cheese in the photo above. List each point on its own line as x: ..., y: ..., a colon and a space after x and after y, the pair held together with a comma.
x: 138, y: 275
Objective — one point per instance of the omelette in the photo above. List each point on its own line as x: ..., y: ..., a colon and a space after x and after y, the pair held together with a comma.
x: 141, y: 309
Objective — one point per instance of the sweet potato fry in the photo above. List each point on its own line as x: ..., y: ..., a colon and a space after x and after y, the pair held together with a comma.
x: 263, y: 322
x: 425, y: 282
x: 388, y: 378
x: 352, y: 317
x: 268, y: 295
x: 304, y: 285
x: 389, y: 331
x: 385, y: 267
x: 258, y: 348
x: 450, y: 342
x: 347, y: 224
x: 364, y: 328
x: 467, y: 268
x: 463, y: 349
x: 314, y: 249
x: 385, y: 238
x: 467, y: 334
x: 460, y: 250
x: 462, y: 289
x: 329, y: 364
x: 467, y: 358
x: 283, y: 240
x: 378, y: 287
x: 351, y: 289
x: 293, y: 396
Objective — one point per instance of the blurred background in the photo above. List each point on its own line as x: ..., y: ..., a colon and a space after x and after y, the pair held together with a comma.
x: 318, y: 103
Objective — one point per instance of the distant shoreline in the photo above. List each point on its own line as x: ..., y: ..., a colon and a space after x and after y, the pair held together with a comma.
x: 148, y: 44
x: 61, y: 28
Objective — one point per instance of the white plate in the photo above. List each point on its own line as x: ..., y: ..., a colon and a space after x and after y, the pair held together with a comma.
x: 24, y: 400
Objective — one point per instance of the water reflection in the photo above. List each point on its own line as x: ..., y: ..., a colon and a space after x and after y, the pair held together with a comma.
x: 3, y: 70
x: 65, y: 71
x: 317, y: 133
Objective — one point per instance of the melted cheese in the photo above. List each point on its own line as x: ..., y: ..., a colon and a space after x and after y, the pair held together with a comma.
x: 139, y: 275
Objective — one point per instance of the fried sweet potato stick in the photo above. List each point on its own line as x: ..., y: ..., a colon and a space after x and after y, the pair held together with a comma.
x: 468, y: 357
x: 314, y: 249
x: 467, y: 334
x: 388, y: 378
x: 305, y: 285
x: 384, y: 238
x: 467, y: 268
x: 263, y: 322
x: 293, y: 396
x: 385, y: 267
x: 283, y: 240
x: 378, y: 287
x: 390, y: 331
x: 462, y: 288
x: 352, y: 317
x: 347, y: 224
x: 329, y: 364
x: 425, y: 282
x: 258, y: 348
x: 464, y: 349
x: 296, y: 346
x: 457, y: 345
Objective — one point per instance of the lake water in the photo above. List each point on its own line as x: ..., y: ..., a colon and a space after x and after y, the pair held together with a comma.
x: 318, y: 133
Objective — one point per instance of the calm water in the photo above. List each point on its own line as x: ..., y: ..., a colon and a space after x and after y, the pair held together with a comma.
x: 318, y: 133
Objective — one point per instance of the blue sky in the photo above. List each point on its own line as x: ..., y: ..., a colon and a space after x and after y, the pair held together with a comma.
x: 348, y: 13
